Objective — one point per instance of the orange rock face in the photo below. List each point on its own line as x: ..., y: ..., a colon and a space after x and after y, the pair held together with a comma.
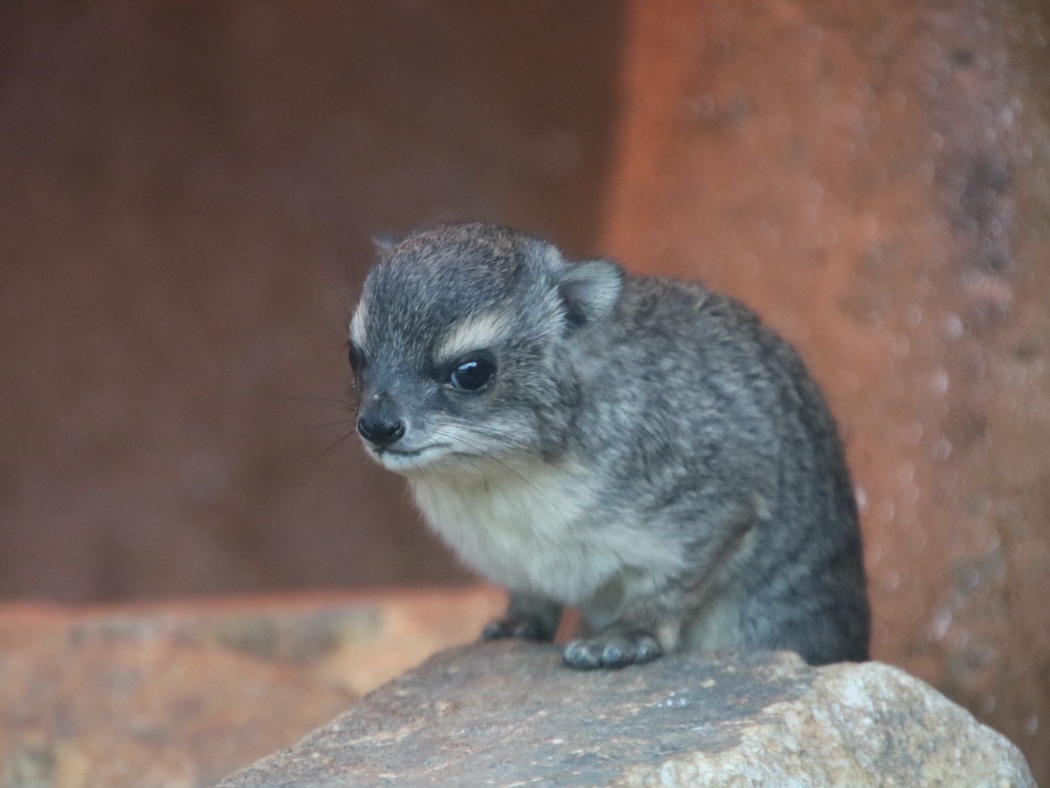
x: 183, y: 694
x: 873, y: 180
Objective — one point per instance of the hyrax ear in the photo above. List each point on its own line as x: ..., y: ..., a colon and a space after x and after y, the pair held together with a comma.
x: 384, y: 241
x: 589, y: 290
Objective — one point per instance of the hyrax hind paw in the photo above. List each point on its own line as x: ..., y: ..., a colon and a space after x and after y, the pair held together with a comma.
x: 614, y: 651
x: 515, y: 627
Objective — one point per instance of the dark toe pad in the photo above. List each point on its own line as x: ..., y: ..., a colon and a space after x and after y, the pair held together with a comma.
x: 612, y: 651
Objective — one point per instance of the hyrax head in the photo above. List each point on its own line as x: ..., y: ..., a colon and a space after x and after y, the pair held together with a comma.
x: 460, y: 347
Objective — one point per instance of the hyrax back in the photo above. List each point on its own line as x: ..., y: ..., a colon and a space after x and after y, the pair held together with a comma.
x: 641, y: 448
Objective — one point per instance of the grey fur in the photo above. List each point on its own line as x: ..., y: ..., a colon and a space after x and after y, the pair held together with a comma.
x: 646, y: 450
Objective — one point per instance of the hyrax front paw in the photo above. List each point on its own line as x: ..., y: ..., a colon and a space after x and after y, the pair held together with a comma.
x: 528, y: 617
x: 516, y: 627
x: 612, y: 651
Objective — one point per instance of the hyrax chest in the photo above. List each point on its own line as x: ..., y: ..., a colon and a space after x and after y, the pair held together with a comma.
x: 542, y: 529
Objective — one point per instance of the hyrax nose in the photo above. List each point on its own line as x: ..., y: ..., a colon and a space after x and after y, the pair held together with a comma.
x: 380, y: 423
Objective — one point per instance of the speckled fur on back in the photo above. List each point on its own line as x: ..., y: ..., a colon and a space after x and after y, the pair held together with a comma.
x: 640, y: 448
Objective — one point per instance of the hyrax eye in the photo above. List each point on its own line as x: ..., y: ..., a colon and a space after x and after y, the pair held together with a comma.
x: 472, y: 373
x: 357, y: 357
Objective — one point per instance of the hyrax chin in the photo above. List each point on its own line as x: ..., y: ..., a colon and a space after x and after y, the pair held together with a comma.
x: 640, y: 448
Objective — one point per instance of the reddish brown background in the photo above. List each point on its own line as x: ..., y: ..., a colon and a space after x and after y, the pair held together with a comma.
x: 188, y: 192
x: 189, y: 195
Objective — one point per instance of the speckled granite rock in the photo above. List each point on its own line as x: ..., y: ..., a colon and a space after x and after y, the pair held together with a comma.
x: 512, y: 714
x: 180, y: 694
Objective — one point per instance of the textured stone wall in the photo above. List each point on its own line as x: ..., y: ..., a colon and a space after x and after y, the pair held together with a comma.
x: 875, y: 180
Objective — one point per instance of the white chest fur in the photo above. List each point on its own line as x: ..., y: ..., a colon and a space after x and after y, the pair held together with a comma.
x: 536, y: 530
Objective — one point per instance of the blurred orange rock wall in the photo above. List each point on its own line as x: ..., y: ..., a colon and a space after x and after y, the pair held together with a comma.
x: 875, y: 180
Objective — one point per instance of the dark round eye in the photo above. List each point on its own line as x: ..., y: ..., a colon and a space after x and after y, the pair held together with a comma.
x: 472, y: 373
x: 357, y: 358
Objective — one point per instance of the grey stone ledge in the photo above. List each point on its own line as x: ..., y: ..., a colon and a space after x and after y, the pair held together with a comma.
x: 511, y: 714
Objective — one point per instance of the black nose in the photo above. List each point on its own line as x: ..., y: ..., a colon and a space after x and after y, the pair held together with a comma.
x: 381, y: 426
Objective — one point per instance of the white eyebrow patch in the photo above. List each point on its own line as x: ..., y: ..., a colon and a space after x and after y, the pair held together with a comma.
x: 474, y: 333
x: 357, y: 324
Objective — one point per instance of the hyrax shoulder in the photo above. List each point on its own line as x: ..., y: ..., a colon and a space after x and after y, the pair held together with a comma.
x: 643, y: 449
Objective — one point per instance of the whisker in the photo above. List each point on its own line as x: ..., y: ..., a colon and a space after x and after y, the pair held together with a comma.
x: 340, y: 423
x: 327, y: 402
x: 331, y: 447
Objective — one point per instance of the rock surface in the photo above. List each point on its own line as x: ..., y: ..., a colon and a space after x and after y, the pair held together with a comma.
x: 181, y: 694
x: 512, y: 714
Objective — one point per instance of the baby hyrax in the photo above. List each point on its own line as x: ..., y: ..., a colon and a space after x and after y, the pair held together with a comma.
x: 640, y: 448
